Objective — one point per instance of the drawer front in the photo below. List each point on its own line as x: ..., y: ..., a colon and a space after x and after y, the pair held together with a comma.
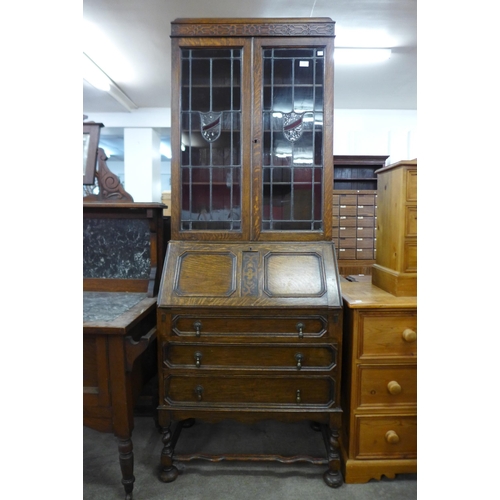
x: 386, y: 437
x: 348, y: 199
x: 411, y: 185
x: 365, y: 221
x: 192, y: 326
x: 365, y: 232
x: 347, y: 210
x: 387, y: 334
x: 364, y: 253
x: 366, y: 199
x: 364, y: 243
x: 249, y: 391
x: 411, y: 221
x: 345, y: 221
x: 347, y: 242
x: 294, y: 357
x: 387, y: 386
x: 347, y: 253
x: 347, y: 232
x: 366, y: 210
x: 410, y: 257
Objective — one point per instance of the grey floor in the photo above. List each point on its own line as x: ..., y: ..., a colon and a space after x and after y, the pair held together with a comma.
x: 226, y: 480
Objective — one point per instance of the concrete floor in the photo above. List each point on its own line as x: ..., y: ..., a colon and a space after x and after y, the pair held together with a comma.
x: 201, y: 480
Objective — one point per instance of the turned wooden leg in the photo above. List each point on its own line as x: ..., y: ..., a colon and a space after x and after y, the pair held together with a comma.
x: 169, y: 471
x: 125, y: 448
x: 333, y: 476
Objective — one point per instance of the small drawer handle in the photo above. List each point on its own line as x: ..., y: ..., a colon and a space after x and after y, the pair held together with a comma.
x: 409, y: 335
x: 298, y: 397
x: 394, y: 388
x: 199, y: 392
x: 299, y: 357
x: 197, y: 328
x: 391, y: 437
x: 300, y: 329
x: 197, y: 358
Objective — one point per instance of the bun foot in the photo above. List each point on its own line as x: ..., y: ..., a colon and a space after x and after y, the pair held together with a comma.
x: 169, y: 475
x: 333, y: 479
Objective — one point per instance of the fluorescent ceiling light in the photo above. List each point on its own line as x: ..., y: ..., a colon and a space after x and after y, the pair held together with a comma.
x: 100, y: 80
x: 94, y: 75
x: 351, y: 55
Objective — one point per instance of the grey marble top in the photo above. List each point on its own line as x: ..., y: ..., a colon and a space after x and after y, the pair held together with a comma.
x: 107, y: 306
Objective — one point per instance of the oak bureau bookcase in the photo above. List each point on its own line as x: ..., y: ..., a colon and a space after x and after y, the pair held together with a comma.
x: 249, y: 307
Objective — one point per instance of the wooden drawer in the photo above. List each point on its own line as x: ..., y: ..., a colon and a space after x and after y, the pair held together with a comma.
x: 258, y: 325
x: 387, y: 386
x: 411, y: 185
x: 363, y: 221
x: 293, y: 357
x: 385, y: 334
x: 347, y: 253
x: 347, y: 232
x: 347, y: 242
x: 348, y: 199
x: 386, y: 437
x: 411, y: 221
x: 364, y: 243
x: 410, y: 257
x: 345, y: 221
x: 364, y: 253
x: 346, y: 210
x: 365, y: 232
x: 366, y: 199
x: 366, y: 210
x: 247, y: 391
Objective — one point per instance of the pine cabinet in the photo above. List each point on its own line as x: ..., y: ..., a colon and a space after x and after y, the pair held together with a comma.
x: 250, y: 308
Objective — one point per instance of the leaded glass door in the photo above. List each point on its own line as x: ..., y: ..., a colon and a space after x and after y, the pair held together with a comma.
x: 294, y: 136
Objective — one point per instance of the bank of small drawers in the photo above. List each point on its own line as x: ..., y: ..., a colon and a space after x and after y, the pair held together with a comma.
x: 354, y: 224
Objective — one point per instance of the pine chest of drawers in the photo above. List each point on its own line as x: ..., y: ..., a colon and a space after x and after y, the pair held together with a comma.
x: 250, y: 331
x: 379, y: 393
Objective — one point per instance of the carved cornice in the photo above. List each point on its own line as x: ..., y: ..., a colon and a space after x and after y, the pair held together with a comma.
x: 257, y: 29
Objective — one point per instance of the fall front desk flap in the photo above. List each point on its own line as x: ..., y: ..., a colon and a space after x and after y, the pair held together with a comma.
x: 251, y: 274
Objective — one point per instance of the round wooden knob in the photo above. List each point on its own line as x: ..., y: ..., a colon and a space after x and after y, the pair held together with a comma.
x: 391, y: 437
x: 409, y: 335
x: 393, y: 387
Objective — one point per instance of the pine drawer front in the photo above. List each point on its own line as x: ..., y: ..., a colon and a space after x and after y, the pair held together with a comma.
x: 387, y: 386
x: 347, y: 253
x: 386, y: 335
x: 347, y: 242
x: 294, y: 358
x: 411, y: 222
x: 347, y: 221
x: 258, y: 325
x: 386, y: 437
x: 411, y: 185
x: 235, y: 391
x: 364, y: 243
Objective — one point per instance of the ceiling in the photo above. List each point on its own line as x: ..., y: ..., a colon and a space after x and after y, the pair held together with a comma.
x: 139, y: 33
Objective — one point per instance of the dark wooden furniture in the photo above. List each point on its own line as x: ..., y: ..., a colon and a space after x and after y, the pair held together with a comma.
x: 249, y: 310
x: 123, y: 252
x: 354, y: 223
x: 395, y: 270
x: 379, y: 435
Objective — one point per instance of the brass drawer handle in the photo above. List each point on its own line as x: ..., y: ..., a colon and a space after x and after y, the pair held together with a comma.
x: 300, y: 329
x: 199, y: 392
x: 197, y: 328
x: 409, y: 335
x: 393, y: 387
x: 298, y: 397
x: 299, y: 357
x: 197, y: 358
x: 391, y: 437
